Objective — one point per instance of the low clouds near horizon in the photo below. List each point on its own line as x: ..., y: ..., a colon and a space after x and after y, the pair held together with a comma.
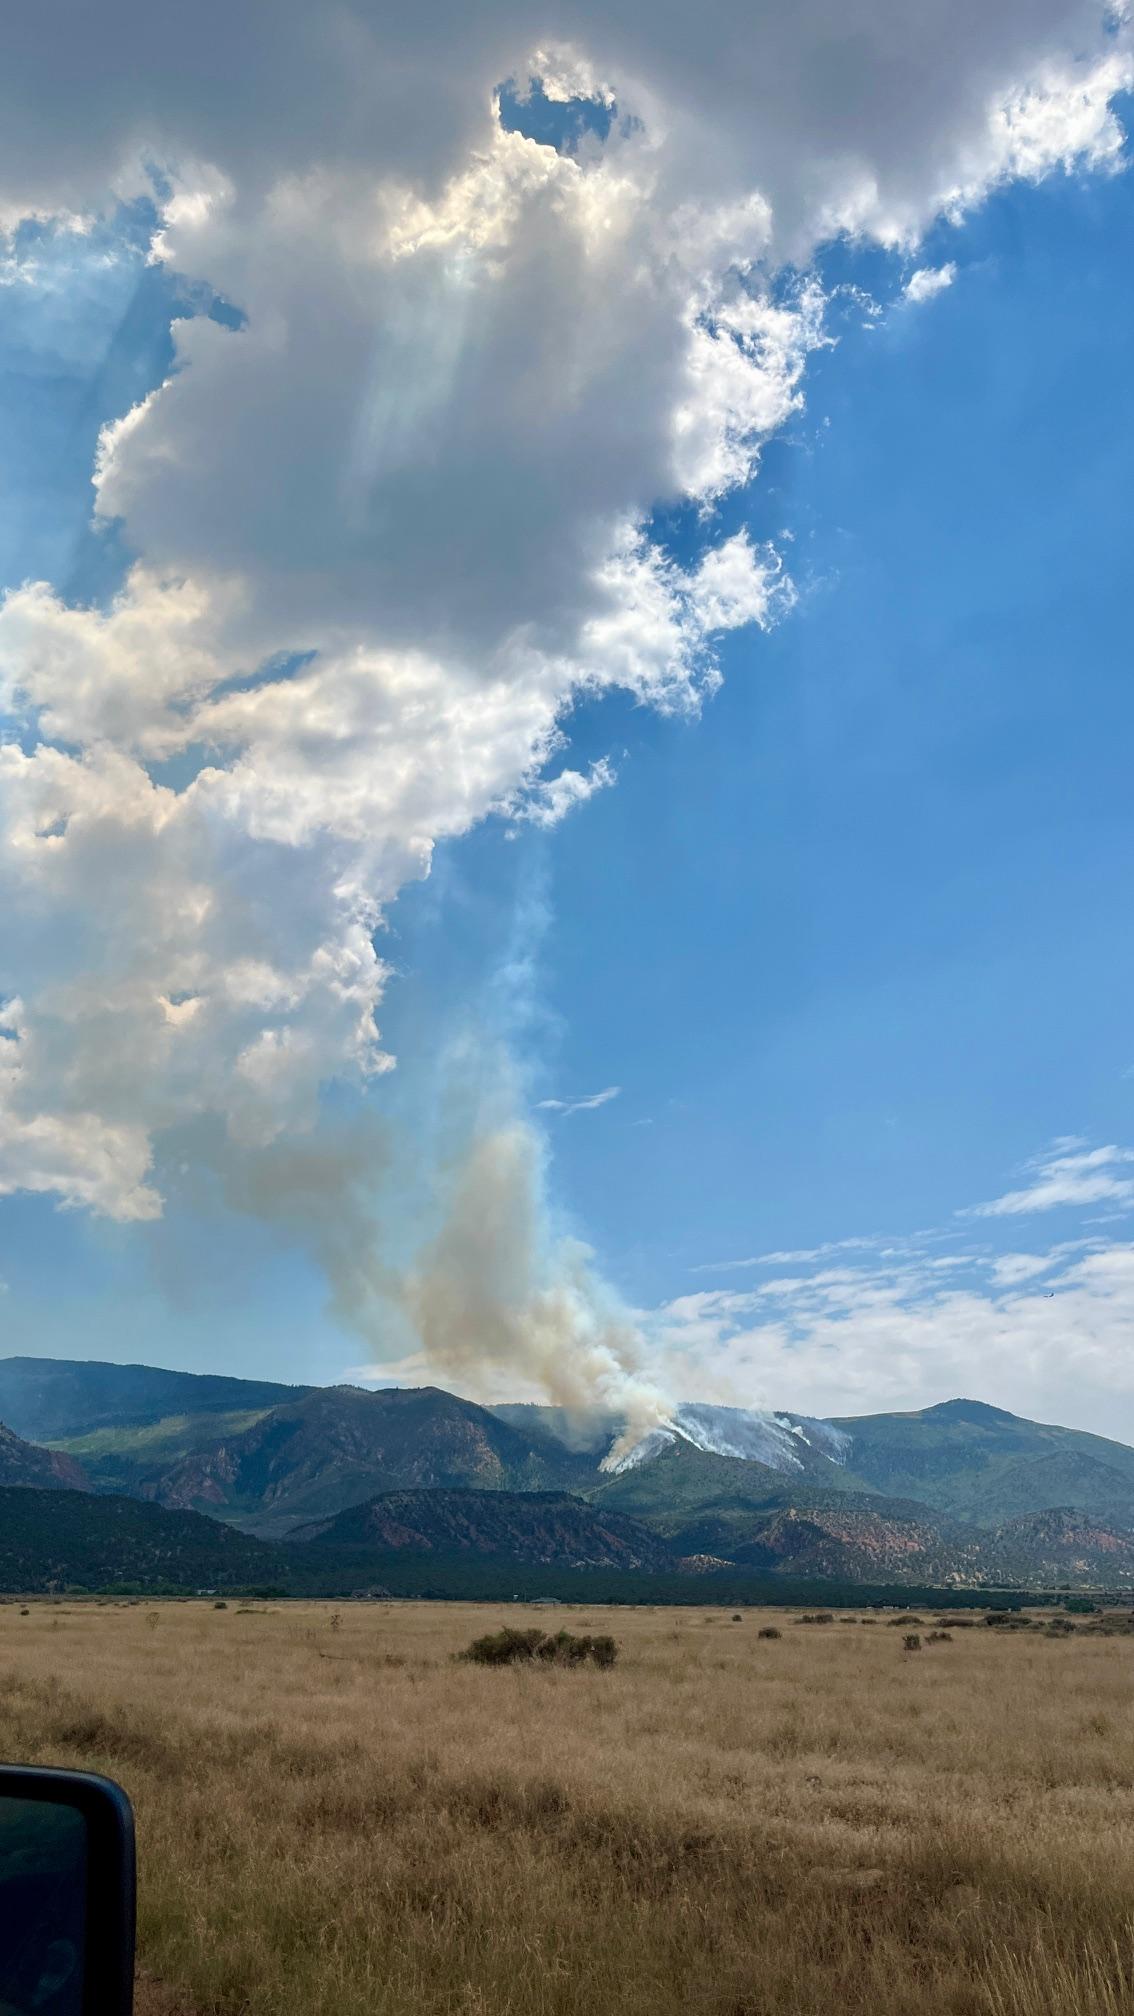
x: 862, y: 1324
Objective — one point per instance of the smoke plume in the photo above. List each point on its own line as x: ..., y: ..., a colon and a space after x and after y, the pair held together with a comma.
x: 497, y: 1289
x: 496, y: 1300
x: 392, y: 509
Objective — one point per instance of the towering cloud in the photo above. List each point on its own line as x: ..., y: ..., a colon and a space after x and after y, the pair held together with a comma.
x: 390, y: 513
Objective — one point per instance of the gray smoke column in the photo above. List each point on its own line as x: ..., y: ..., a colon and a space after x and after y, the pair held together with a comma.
x: 497, y: 1297
x: 323, y: 1194
x: 497, y: 1288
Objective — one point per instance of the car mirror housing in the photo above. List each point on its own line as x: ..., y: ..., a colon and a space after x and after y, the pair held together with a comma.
x: 67, y: 1885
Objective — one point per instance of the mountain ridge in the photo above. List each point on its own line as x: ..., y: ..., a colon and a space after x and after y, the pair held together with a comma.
x: 52, y: 1399
x: 961, y: 1489
x: 339, y: 1445
x: 546, y: 1527
x: 964, y: 1456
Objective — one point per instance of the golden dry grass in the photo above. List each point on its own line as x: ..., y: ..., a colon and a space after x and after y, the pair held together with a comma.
x: 345, y: 1819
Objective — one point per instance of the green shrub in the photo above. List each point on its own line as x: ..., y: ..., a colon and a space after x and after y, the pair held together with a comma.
x: 221, y: 1605
x: 939, y: 1638
x: 511, y: 1648
x: 769, y: 1631
x: 604, y: 1650
x: 503, y: 1648
x: 818, y: 1617
x: 911, y: 1642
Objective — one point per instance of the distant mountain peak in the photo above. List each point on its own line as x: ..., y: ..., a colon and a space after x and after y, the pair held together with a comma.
x: 975, y: 1411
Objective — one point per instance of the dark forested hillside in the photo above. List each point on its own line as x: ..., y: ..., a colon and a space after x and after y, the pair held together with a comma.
x: 542, y: 1526
x: 57, y: 1540
x: 989, y: 1465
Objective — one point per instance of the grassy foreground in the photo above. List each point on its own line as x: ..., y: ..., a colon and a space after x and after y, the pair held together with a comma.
x: 337, y: 1816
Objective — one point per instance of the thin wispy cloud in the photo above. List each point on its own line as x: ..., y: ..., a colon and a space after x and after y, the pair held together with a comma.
x: 589, y: 1104
x: 1072, y: 1175
x: 791, y: 1257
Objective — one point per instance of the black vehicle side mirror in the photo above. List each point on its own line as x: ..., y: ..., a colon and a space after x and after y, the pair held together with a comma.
x: 66, y: 1894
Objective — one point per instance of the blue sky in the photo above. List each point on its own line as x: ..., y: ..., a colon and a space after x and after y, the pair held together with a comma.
x: 852, y: 944
x: 849, y: 940
x: 863, y: 950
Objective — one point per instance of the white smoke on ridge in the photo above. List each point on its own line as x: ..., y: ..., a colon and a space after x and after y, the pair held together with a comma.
x: 392, y: 525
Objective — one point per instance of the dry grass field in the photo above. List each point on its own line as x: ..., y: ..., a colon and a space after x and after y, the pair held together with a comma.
x: 337, y: 1816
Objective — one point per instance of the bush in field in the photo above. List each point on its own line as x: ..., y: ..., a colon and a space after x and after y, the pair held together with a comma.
x: 769, y: 1631
x: 222, y: 1605
x: 904, y: 1620
x: 939, y: 1638
x: 911, y: 1642
x: 503, y: 1648
x: 513, y: 1648
x: 565, y: 1649
x: 818, y: 1617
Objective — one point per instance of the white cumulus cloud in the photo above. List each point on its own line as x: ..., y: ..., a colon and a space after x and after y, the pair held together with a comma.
x: 926, y: 281
x: 1045, y: 1334
x: 391, y: 524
